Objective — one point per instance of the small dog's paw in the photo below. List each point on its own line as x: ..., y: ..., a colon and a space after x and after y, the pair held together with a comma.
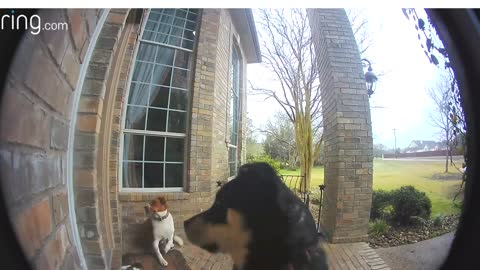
x: 163, y: 262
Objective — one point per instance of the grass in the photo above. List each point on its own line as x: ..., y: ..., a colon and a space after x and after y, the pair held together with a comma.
x: 392, y: 174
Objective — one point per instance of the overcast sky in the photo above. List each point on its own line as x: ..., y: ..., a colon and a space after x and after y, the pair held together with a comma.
x: 402, y: 90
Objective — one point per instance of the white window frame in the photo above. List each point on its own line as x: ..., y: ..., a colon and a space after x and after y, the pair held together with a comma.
x: 124, y: 130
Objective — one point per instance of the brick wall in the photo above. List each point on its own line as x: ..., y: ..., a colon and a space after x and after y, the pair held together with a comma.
x: 347, y: 127
x: 227, y: 38
x: 36, y: 115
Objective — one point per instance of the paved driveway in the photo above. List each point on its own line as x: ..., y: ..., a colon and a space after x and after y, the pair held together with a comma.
x: 425, y: 255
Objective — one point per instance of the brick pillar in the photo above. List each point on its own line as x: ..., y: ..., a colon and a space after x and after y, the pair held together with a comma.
x: 347, y: 128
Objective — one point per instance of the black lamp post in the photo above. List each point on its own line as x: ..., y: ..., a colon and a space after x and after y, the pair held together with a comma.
x: 371, y: 78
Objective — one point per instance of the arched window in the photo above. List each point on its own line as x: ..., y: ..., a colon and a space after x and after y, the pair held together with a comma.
x: 155, y: 117
x: 235, y: 86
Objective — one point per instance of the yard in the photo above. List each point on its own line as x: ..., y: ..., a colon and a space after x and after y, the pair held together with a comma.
x: 392, y: 174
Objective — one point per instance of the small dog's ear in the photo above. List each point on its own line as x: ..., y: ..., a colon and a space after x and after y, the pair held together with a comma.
x: 162, y: 200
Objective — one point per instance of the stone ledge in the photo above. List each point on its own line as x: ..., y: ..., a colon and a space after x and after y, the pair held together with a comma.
x: 128, y: 196
x: 354, y: 239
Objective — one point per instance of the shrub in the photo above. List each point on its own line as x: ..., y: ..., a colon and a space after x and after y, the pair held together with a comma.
x: 315, y: 198
x: 408, y: 202
x: 381, y: 204
x: 417, y: 221
x: 378, y: 227
x: 437, y: 221
x: 267, y: 159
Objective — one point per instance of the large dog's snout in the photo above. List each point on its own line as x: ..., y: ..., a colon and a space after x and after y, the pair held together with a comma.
x: 187, y: 222
x: 194, y: 227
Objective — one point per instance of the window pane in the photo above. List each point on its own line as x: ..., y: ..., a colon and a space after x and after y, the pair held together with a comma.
x: 232, y: 154
x: 190, y: 25
x: 154, y: 148
x: 182, y: 59
x: 175, y: 41
x: 232, y: 160
x: 148, y: 35
x: 189, y: 35
x: 154, y: 14
x: 146, y: 52
x: 135, y: 118
x: 142, y: 72
x: 192, y: 16
x: 173, y: 175
x: 164, y: 29
x: 165, y: 56
x: 161, y: 38
x: 153, y: 175
x: 166, y: 19
x: 174, y: 149
x: 176, y: 122
x: 169, y: 11
x: 132, y: 174
x: 138, y: 94
x: 181, y: 13
x: 159, y: 96
x: 133, y: 147
x: 151, y: 25
x: 162, y: 75
x: 187, y: 44
x: 178, y: 99
x: 180, y: 78
x: 179, y: 23
x: 157, y: 119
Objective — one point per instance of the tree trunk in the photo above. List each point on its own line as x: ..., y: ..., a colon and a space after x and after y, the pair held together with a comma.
x: 446, y: 160
x: 304, y: 141
x: 447, y: 137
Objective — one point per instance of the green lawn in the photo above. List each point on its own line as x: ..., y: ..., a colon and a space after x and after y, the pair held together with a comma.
x: 392, y: 174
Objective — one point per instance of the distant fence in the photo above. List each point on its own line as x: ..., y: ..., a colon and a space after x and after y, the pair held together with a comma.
x: 435, y: 153
x: 297, y: 184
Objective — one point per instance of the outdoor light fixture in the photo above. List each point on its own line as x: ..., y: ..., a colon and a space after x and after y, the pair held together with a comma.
x: 371, y: 78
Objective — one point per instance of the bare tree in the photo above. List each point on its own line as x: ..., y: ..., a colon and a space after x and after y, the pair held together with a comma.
x: 440, y: 117
x: 359, y: 23
x: 280, y: 139
x: 288, y: 52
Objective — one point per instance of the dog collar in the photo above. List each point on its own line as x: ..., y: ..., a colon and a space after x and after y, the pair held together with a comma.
x: 155, y: 217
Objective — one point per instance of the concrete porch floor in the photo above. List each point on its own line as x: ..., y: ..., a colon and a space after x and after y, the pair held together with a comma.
x: 351, y: 256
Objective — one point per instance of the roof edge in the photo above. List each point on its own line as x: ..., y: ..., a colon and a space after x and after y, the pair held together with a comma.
x: 253, y: 32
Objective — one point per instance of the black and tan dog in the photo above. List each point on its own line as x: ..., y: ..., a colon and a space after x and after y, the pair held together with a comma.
x: 258, y: 220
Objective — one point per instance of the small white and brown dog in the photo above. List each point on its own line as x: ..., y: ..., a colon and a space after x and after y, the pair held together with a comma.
x: 163, y: 228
